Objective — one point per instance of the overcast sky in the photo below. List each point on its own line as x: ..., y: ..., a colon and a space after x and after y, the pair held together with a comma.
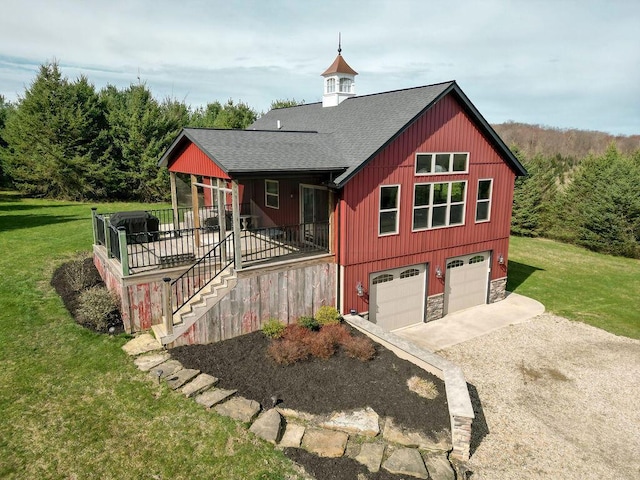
x: 560, y: 63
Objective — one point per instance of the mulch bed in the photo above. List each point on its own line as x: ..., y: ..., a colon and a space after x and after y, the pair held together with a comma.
x: 60, y: 281
x: 321, y: 386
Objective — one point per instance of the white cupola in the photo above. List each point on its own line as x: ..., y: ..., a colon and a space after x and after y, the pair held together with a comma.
x: 338, y: 81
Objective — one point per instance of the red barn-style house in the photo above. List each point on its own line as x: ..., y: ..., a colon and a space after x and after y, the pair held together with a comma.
x: 395, y: 205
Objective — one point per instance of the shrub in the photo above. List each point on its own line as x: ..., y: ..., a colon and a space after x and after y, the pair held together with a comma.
x: 79, y: 273
x: 359, y: 347
x: 97, y: 308
x: 273, y: 328
x: 327, y: 315
x: 286, y: 352
x: 322, y: 344
x: 309, y: 323
x: 296, y: 333
x: 337, y: 333
x: 425, y: 388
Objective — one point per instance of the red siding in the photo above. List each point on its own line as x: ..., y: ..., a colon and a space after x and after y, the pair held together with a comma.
x: 192, y: 160
x: 445, y: 128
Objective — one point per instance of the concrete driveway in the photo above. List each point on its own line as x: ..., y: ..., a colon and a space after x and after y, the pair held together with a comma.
x: 473, y: 322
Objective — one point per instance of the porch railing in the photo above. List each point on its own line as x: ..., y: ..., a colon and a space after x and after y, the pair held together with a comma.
x: 170, y: 247
x: 265, y: 243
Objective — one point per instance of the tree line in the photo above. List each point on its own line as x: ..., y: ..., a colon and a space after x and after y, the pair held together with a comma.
x: 64, y: 139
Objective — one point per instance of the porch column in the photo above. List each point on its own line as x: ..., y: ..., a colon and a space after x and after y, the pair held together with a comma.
x: 236, y: 224
x: 196, y: 213
x: 124, y: 254
x: 332, y: 210
x: 222, y: 219
x: 174, y: 200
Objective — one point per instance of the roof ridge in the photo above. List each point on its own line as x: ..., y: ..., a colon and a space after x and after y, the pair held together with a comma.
x: 451, y: 82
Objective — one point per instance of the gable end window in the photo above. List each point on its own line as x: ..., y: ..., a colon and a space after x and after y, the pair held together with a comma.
x: 272, y: 193
x: 389, y: 210
x: 441, y: 163
x: 438, y: 205
x: 483, y: 202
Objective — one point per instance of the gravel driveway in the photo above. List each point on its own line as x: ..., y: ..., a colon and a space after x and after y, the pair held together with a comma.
x: 559, y: 400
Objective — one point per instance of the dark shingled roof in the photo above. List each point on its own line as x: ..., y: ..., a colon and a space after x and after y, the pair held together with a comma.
x: 340, y: 139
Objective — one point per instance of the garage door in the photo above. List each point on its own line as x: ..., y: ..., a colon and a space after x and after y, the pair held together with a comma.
x: 396, y: 297
x: 466, y: 281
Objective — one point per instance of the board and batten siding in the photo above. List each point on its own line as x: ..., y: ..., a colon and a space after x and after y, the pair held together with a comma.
x: 444, y: 128
x: 194, y: 161
x: 285, y: 294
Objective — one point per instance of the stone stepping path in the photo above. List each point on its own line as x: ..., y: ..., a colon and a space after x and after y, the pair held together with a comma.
x: 357, y: 434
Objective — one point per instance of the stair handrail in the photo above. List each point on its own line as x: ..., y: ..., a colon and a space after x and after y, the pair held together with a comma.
x: 215, y: 261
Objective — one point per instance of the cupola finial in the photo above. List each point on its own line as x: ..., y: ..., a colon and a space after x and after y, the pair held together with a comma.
x: 339, y: 43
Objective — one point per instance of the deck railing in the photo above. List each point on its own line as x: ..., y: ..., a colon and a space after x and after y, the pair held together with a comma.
x: 271, y: 242
x: 171, y: 247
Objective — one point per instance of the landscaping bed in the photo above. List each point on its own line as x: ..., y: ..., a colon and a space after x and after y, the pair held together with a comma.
x: 320, y: 386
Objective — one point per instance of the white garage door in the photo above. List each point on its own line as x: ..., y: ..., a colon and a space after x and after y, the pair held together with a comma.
x: 466, y: 281
x: 396, y: 297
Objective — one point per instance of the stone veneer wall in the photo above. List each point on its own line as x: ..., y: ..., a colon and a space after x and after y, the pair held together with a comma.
x: 497, y: 290
x: 435, y: 307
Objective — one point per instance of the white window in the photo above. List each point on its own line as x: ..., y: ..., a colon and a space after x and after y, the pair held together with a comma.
x: 438, y: 205
x: 389, y: 209
x: 345, y: 85
x: 331, y: 85
x: 272, y: 193
x: 483, y: 202
x: 439, y: 163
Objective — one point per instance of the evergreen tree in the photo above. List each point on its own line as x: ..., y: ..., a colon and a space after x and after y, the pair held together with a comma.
x: 54, y: 140
x: 534, y: 197
x: 6, y: 108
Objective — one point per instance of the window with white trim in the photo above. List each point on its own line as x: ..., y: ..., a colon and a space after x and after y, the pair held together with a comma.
x: 272, y: 193
x: 331, y: 85
x: 440, y: 163
x: 389, y: 210
x: 438, y: 205
x: 345, y: 85
x: 483, y: 201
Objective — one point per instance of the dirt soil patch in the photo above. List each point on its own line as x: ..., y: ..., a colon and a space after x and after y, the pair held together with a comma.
x: 321, y: 386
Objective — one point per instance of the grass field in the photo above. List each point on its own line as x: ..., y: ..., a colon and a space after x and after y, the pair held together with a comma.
x: 72, y: 404
x: 575, y: 283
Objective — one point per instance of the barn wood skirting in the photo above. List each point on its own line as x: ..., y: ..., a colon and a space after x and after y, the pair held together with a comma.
x: 285, y: 292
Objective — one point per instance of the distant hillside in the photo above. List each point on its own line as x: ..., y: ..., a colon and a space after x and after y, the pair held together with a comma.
x: 572, y: 143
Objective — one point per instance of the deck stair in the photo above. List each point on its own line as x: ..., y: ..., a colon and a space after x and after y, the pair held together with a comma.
x: 197, y: 306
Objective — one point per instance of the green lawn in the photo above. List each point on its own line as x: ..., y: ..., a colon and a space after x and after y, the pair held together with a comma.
x: 575, y: 283
x: 72, y: 405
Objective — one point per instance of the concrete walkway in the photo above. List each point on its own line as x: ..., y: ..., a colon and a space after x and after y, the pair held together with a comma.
x: 473, y: 322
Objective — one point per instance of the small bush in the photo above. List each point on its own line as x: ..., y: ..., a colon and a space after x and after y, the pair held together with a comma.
x: 286, y: 352
x: 359, y: 347
x: 296, y: 333
x: 425, y: 388
x: 273, y: 328
x: 322, y: 344
x: 337, y: 333
x: 79, y: 273
x: 327, y: 315
x: 97, y: 308
x: 309, y: 323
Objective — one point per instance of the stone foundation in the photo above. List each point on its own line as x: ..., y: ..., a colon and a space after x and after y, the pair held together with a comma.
x: 498, y: 290
x: 435, y: 307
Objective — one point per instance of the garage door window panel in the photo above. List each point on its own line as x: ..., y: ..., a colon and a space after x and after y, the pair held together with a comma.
x: 389, y: 209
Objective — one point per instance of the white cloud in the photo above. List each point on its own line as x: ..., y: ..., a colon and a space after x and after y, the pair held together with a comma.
x: 564, y: 63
